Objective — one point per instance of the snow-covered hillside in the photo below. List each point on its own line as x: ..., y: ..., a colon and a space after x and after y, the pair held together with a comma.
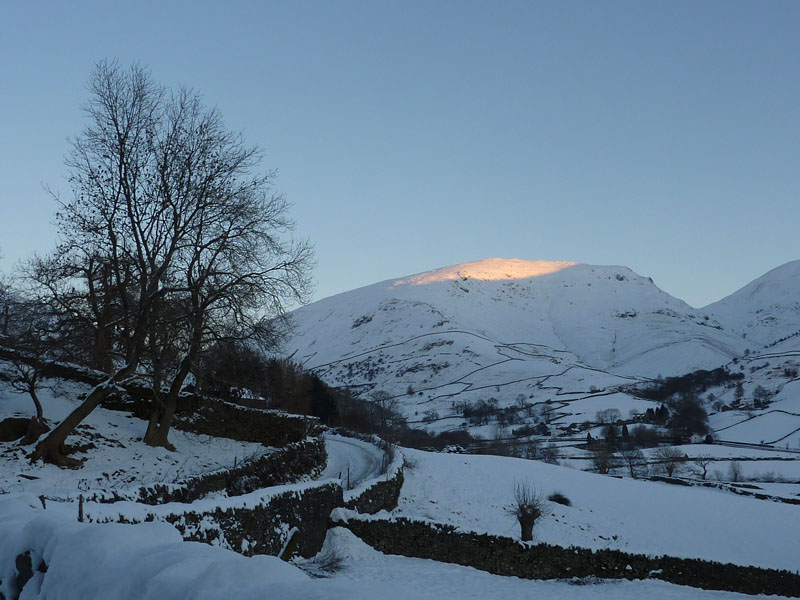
x: 503, y: 329
x: 766, y: 310
x: 115, y: 461
x: 475, y: 492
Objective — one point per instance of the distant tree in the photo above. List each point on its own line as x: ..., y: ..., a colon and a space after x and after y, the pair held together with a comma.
x: 738, y: 395
x: 383, y: 407
x: 610, y: 437
x: 701, y: 465
x: 669, y: 459
x: 761, y: 396
x: 550, y: 454
x: 645, y: 437
x: 689, y: 417
x: 603, y: 459
x: 609, y: 415
x: 735, y: 471
x: 532, y: 450
x: 634, y: 460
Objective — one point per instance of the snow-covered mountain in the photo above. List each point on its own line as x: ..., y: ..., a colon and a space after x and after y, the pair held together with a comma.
x: 766, y: 310
x: 501, y: 328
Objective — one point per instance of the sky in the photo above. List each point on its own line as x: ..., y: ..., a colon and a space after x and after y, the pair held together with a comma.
x: 662, y: 136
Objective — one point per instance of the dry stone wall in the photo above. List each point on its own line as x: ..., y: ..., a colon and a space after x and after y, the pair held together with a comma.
x: 505, y: 556
x: 265, y: 527
x: 289, y: 464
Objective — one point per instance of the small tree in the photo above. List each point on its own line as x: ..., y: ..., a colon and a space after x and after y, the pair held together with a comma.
x: 669, y: 460
x: 550, y: 454
x: 608, y: 415
x: 735, y: 471
x: 645, y: 437
x: 383, y: 407
x: 528, y: 507
x: 31, y: 333
x: 603, y: 459
x: 634, y: 460
x: 610, y: 436
x: 701, y: 464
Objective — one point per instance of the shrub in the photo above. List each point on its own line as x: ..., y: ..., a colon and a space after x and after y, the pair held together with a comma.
x: 559, y: 498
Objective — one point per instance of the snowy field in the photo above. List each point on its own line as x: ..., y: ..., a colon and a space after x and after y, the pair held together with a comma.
x: 151, y: 562
x: 116, y: 460
x: 474, y: 493
x: 777, y: 427
x: 586, y: 409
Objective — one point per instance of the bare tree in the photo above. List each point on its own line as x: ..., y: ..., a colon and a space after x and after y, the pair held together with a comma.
x: 383, y: 407
x: 603, y: 459
x: 670, y: 460
x: 701, y: 465
x: 550, y: 453
x: 634, y: 460
x: 80, y: 289
x: 529, y: 505
x: 31, y: 337
x: 735, y: 471
x: 193, y: 240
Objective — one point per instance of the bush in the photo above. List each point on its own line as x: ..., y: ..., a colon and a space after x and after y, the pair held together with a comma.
x: 645, y: 437
x: 559, y: 498
x: 689, y: 417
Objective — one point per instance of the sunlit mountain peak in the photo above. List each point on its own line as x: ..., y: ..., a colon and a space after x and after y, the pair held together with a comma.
x: 489, y: 269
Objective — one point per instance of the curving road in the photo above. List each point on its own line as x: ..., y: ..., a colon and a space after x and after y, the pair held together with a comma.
x: 363, y: 459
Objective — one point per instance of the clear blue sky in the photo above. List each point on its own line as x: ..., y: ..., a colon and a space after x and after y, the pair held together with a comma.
x: 664, y: 136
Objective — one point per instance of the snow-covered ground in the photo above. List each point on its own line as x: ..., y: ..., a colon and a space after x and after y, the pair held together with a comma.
x: 474, y: 493
x: 116, y: 460
x: 776, y: 427
x: 150, y: 562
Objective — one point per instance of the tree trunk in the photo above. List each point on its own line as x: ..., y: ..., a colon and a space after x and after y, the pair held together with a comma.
x: 35, y: 398
x: 156, y: 409
x: 160, y: 437
x: 50, y: 449
x: 152, y: 425
x: 101, y: 359
x: 526, y: 525
x: 37, y: 425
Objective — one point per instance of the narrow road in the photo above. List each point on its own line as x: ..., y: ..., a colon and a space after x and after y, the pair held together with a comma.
x: 361, y: 458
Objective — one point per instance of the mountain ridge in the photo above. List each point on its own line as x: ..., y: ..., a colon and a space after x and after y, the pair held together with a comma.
x: 504, y: 329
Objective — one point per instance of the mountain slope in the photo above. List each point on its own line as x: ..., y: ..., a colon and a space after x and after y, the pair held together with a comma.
x: 498, y: 329
x: 766, y: 310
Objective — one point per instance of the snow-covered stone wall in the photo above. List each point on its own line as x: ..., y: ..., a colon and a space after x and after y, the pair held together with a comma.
x: 506, y: 556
